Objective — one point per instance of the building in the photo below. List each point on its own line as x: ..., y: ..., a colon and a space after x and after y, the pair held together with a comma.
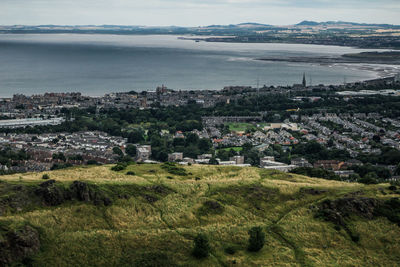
x: 237, y: 159
x: 270, y: 164
x: 143, y: 153
x: 333, y: 165
x: 177, y: 156
x: 204, y: 156
x: 22, y: 123
x: 301, y: 162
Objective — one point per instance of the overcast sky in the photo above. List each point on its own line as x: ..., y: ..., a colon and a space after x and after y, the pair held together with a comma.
x: 194, y: 12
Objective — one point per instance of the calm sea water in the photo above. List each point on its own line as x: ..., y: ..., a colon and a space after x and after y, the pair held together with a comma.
x: 98, y: 64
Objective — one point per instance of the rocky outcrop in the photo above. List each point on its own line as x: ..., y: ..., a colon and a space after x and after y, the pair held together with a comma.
x: 84, y: 192
x: 53, y: 194
x: 337, y: 210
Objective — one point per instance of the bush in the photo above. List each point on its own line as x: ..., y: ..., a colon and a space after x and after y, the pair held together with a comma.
x: 119, y: 167
x: 390, y: 209
x: 92, y: 162
x: 172, y: 168
x: 230, y: 250
x: 392, y: 188
x: 256, y: 239
x: 45, y: 176
x: 201, y: 246
x: 57, y: 166
x: 131, y: 173
x: 211, y: 207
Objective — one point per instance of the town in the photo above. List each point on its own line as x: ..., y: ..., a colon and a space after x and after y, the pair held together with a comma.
x: 309, y: 132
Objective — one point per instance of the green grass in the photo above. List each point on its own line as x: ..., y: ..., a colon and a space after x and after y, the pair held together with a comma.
x: 243, y: 126
x: 134, y: 231
x: 235, y: 148
x: 240, y: 126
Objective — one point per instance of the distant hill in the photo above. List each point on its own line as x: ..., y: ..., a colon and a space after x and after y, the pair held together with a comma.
x: 150, y: 214
x: 314, y: 23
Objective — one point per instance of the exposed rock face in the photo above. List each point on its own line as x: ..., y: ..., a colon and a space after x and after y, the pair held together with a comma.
x: 83, y: 192
x: 52, y: 194
x: 16, y: 245
x: 337, y: 210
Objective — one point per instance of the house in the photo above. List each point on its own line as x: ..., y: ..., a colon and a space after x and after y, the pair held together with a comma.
x: 270, y: 164
x: 177, y: 156
x: 204, y: 156
x: 143, y: 153
x: 333, y: 165
x: 237, y: 159
x: 301, y: 162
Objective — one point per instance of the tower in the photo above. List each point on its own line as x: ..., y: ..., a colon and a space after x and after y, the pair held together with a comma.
x: 304, y: 80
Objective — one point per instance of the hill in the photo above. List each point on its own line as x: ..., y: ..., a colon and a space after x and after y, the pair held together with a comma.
x: 148, y: 215
x: 326, y: 23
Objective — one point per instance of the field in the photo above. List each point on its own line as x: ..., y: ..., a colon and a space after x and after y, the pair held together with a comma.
x: 242, y: 126
x: 155, y: 215
x: 234, y: 148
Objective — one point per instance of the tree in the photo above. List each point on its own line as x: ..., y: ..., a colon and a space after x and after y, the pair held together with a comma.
x: 376, y: 138
x: 192, y: 138
x: 131, y: 150
x: 213, y: 161
x: 256, y: 239
x: 204, y: 144
x: 201, y: 246
x: 397, y: 171
x: 118, y: 151
x: 369, y: 178
x: 136, y: 136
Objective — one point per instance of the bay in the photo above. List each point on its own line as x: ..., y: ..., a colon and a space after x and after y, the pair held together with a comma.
x: 95, y: 64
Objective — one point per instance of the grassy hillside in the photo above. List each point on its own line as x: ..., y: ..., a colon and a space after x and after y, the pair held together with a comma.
x: 150, y: 218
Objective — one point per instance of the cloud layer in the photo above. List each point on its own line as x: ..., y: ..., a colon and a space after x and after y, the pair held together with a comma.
x: 194, y: 12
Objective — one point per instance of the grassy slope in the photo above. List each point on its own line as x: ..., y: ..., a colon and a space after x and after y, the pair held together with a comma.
x: 81, y: 234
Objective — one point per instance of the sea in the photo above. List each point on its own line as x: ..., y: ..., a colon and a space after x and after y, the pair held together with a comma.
x: 96, y: 64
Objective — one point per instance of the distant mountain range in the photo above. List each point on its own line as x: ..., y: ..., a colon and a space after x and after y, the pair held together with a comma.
x: 326, y: 23
x: 240, y: 25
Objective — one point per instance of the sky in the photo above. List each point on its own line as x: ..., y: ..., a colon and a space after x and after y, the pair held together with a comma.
x: 194, y: 12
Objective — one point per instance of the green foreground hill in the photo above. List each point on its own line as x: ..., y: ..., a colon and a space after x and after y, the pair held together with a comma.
x: 93, y: 216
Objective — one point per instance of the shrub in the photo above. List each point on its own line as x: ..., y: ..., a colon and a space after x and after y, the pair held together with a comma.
x: 119, y: 167
x: 395, y: 182
x: 57, y: 166
x: 256, y: 239
x: 45, y: 176
x: 355, y: 237
x: 92, y: 162
x: 172, y: 168
x: 392, y: 188
x: 130, y: 173
x: 201, y: 246
x: 211, y: 207
x: 390, y: 209
x: 230, y: 250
